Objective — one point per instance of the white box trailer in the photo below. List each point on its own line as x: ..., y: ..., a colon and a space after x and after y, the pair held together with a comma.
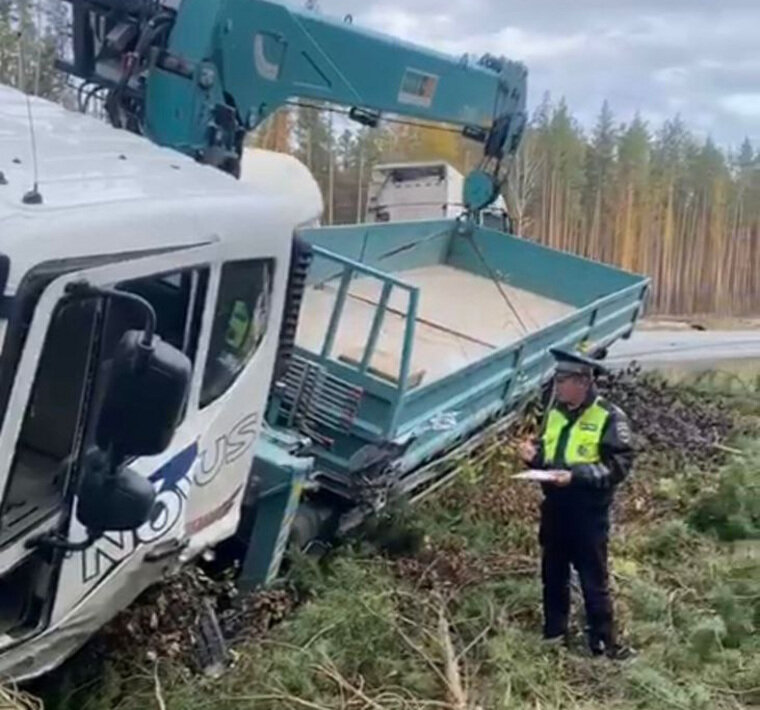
x: 402, y: 192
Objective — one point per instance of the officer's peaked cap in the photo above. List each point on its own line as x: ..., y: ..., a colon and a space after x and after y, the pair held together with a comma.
x: 574, y: 362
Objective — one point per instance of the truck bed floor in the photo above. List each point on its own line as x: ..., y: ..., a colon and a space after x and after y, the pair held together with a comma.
x: 461, y: 318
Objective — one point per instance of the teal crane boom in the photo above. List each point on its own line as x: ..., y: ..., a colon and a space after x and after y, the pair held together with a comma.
x: 196, y: 76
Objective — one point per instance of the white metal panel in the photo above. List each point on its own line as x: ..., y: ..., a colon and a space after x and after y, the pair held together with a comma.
x: 454, y: 183
x: 420, y: 199
x: 109, y: 191
x: 423, y: 197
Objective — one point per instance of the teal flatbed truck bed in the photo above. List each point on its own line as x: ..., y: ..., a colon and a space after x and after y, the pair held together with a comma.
x: 413, y: 338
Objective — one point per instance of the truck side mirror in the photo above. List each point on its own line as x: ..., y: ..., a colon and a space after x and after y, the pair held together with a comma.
x: 112, y: 501
x: 145, y: 397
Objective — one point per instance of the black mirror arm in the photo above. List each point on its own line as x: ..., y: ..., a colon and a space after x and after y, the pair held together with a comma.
x: 54, y: 541
x: 82, y: 289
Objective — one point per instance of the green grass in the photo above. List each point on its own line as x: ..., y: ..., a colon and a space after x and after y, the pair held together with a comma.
x: 462, y: 569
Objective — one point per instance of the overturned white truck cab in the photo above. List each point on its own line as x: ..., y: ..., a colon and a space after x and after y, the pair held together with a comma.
x: 210, y: 255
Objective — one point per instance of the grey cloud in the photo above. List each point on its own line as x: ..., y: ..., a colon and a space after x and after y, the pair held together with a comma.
x: 698, y: 57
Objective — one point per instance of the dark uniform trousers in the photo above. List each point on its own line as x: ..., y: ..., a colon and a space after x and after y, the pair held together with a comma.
x: 566, y: 543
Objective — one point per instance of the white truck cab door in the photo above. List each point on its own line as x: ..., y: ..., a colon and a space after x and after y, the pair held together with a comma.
x: 54, y: 363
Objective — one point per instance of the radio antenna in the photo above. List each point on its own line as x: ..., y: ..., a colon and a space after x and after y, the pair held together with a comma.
x: 33, y: 196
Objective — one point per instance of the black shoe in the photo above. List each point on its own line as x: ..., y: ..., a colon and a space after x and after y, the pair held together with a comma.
x: 615, y: 651
x: 621, y: 653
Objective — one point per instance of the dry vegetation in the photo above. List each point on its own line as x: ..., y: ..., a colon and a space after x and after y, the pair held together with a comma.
x: 438, y: 607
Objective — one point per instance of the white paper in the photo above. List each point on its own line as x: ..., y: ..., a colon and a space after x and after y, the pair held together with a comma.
x: 534, y: 475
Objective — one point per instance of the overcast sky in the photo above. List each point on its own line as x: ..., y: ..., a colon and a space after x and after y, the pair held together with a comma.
x: 699, y: 58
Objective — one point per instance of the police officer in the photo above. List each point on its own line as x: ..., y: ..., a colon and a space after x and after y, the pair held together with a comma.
x: 586, y: 445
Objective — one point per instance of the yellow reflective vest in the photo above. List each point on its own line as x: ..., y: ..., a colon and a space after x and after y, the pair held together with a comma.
x: 583, y: 441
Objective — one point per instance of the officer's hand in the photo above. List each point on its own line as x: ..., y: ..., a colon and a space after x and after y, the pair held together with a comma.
x: 561, y: 478
x: 527, y: 450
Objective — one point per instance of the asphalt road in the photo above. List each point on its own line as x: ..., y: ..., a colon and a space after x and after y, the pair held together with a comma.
x: 688, y: 348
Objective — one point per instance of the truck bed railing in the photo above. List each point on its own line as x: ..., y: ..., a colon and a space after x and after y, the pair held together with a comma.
x: 350, y: 269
